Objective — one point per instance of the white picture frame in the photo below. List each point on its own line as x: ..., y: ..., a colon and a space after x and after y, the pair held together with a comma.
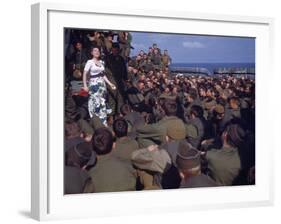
x: 48, y: 201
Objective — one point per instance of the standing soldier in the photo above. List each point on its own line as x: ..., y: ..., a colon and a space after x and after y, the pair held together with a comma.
x: 166, y: 59
x: 125, y: 39
x: 78, y: 61
x: 117, y: 72
x: 108, y: 37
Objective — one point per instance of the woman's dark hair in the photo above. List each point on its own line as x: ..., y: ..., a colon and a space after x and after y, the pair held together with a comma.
x: 93, y: 47
x: 120, y: 127
x: 102, y: 141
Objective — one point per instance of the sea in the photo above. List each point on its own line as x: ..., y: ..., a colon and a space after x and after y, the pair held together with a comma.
x: 212, y: 66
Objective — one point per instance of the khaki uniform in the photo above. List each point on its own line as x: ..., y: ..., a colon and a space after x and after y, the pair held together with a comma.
x: 224, y: 165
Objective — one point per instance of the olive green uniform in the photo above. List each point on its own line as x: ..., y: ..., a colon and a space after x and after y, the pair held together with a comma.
x: 124, y: 148
x: 111, y: 175
x: 224, y: 165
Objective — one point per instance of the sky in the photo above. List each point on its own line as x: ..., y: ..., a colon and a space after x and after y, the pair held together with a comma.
x: 197, y: 48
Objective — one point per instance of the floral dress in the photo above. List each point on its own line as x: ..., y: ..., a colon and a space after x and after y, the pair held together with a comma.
x: 97, y: 90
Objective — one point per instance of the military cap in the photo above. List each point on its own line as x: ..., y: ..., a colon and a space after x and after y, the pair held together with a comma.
x: 187, y: 156
x: 175, y: 129
x: 155, y: 161
x: 219, y: 109
x: 191, y: 131
x: 208, y: 105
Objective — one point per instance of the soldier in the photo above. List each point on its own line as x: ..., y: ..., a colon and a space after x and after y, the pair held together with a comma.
x: 108, y: 38
x: 234, y: 108
x: 124, y: 145
x: 198, y: 121
x: 72, y: 133
x: 78, y: 61
x: 224, y: 164
x: 166, y: 59
x: 109, y: 174
x: 156, y: 59
x: 189, y: 166
x: 95, y: 39
x: 125, y: 39
x: 78, y: 160
x: 190, y: 100
x: 117, y: 72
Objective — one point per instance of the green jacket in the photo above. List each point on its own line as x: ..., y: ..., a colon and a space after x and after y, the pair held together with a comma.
x: 124, y: 148
x: 150, y: 134
x: 224, y: 165
x: 111, y: 175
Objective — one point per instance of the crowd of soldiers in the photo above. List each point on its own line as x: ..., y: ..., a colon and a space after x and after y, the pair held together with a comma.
x: 165, y: 131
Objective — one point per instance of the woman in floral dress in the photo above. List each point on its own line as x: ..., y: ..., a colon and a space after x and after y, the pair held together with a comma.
x: 96, y: 86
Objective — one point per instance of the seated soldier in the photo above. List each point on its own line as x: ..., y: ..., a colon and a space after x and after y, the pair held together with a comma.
x: 189, y: 166
x: 169, y: 126
x: 197, y: 119
x: 109, y: 174
x: 133, y: 118
x: 124, y: 145
x: 78, y: 160
x: 73, y: 135
x: 151, y: 163
x: 224, y: 164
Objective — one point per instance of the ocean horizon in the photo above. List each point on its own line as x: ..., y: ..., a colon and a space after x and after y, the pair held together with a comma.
x: 212, y: 66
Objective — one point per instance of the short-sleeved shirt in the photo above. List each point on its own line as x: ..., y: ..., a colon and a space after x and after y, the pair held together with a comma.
x: 94, y: 69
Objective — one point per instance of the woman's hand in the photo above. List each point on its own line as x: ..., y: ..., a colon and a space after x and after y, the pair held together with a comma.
x: 86, y: 89
x: 112, y: 86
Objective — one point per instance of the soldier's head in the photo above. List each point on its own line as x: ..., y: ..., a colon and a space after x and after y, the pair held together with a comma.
x: 81, y: 156
x: 140, y: 85
x: 188, y: 160
x: 155, y: 50
x: 218, y: 112
x: 165, y: 52
x: 170, y: 107
x: 192, y: 95
x: 125, y: 109
x: 233, y: 135
x: 71, y: 130
x: 233, y: 102
x: 141, y: 53
x: 102, y: 141
x: 115, y: 49
x: 120, y: 127
x: 149, y: 84
x: 196, y: 111
x: 78, y: 45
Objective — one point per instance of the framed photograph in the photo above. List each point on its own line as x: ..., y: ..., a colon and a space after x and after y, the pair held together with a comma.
x: 148, y: 111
